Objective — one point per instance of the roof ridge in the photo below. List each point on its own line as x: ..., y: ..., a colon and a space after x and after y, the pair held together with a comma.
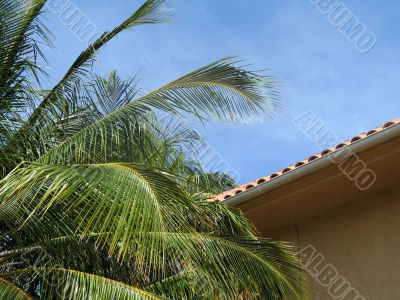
x: 245, y: 187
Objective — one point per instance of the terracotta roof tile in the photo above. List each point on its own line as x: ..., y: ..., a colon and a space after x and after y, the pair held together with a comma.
x: 240, y: 189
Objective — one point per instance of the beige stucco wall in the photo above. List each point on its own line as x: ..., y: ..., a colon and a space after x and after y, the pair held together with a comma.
x: 360, y: 241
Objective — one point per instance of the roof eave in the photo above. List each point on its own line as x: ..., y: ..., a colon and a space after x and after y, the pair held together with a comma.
x: 324, y: 161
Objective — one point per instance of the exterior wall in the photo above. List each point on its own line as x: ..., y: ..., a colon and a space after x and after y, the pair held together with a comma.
x: 360, y: 241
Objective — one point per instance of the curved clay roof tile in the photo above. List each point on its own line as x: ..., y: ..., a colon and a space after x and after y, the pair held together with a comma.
x: 238, y: 190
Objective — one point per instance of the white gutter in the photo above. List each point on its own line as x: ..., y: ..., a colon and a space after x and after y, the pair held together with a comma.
x: 355, y: 147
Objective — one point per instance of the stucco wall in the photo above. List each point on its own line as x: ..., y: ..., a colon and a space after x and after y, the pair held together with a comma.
x: 361, y: 242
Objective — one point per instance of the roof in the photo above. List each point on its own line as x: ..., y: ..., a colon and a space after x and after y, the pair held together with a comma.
x: 248, y: 186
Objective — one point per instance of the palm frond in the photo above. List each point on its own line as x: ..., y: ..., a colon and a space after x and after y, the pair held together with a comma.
x: 10, y: 291
x: 261, y: 268
x: 110, y: 93
x: 133, y: 210
x: 221, y: 90
x: 110, y: 198
x: 211, y: 182
x: 89, y: 102
x: 60, y: 283
x: 151, y: 12
x: 102, y: 192
x: 33, y: 138
x: 21, y: 32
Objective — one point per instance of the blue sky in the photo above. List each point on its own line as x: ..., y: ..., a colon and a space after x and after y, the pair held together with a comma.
x: 320, y: 70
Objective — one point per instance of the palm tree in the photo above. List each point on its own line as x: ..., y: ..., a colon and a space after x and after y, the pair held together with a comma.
x: 101, y: 195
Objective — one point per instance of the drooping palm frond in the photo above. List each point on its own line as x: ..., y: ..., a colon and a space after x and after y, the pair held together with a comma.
x: 221, y: 90
x: 9, y: 290
x: 33, y: 137
x: 59, y: 283
x: 247, y: 260
x: 150, y: 223
x: 212, y: 182
x: 104, y: 197
x: 20, y: 33
x: 91, y: 101
x: 176, y: 145
x: 151, y: 12
x: 17, y: 24
x: 75, y: 252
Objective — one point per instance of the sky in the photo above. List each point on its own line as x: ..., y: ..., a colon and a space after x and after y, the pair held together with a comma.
x: 321, y: 72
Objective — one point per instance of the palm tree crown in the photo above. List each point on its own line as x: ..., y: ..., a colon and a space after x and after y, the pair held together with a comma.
x: 102, y: 198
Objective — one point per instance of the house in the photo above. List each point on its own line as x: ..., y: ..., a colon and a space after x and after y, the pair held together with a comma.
x: 341, y: 210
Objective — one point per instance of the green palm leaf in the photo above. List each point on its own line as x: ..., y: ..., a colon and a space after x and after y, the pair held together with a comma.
x: 57, y: 105
x: 258, y: 267
x: 151, y: 12
x: 221, y: 90
x: 59, y: 283
x: 10, y: 291
x: 142, y: 216
x: 21, y: 33
x: 116, y: 198
x: 102, y: 192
